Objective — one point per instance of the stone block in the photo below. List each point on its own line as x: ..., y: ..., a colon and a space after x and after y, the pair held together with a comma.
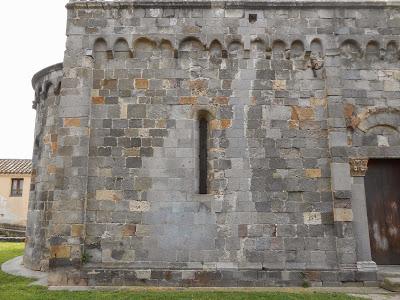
x: 343, y: 214
x: 129, y: 230
x: 221, y: 100
x: 109, y: 84
x: 338, y: 139
x: 340, y: 176
x: 77, y: 230
x: 139, y: 206
x: 279, y: 85
x: 242, y: 230
x: 72, y: 122
x: 141, y: 84
x: 112, y: 195
x: 187, y: 100
x: 313, y: 173
x: 143, y: 274
x: 134, y: 162
x: 312, y: 218
x: 142, y: 183
x: 302, y: 113
x: 221, y: 124
x: 98, y: 100
x: 391, y: 85
x: 234, y: 13
x: 136, y: 111
x: 60, y: 251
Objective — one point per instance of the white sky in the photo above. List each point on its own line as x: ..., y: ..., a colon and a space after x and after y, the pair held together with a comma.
x: 33, y: 37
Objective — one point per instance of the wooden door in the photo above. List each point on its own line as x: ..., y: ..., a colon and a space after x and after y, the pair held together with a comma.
x: 382, y: 189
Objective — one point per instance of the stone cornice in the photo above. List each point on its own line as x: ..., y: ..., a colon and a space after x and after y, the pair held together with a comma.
x: 249, y: 4
x: 44, y: 72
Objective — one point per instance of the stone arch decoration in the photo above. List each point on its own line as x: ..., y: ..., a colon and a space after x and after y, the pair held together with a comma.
x: 235, y: 46
x: 143, y: 47
x: 372, y: 50
x: 215, y: 49
x: 100, y: 48
x: 191, y: 44
x: 316, y: 47
x: 350, y: 49
x: 378, y: 120
x: 392, y: 51
x: 297, y: 49
x: 167, y: 49
x: 121, y: 49
x: 278, y: 49
x: 258, y: 45
x: 216, y: 52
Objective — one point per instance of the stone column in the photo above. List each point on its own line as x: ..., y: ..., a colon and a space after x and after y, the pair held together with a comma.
x: 358, y: 169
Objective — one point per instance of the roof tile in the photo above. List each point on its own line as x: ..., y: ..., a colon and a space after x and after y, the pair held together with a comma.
x: 15, y: 166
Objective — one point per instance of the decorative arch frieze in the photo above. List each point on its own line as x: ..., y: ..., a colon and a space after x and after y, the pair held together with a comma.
x: 121, y: 49
x: 191, y: 43
x: 350, y: 49
x: 297, y: 49
x: 374, y: 50
x: 259, y: 47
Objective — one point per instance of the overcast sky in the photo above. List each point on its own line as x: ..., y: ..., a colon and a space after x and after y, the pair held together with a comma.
x: 33, y: 37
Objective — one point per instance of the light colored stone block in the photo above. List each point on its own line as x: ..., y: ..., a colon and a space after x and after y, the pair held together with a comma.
x: 313, y: 173
x: 312, y: 218
x: 143, y: 274
x: 343, y: 214
x: 139, y: 205
x: 108, y: 195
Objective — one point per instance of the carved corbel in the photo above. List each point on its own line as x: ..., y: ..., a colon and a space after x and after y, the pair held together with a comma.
x: 358, y: 167
x: 382, y: 54
x: 315, y: 62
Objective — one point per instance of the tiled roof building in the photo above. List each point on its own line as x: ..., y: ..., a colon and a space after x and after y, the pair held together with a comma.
x: 15, y: 166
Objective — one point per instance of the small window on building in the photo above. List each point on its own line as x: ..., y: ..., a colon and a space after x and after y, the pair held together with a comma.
x: 203, y: 154
x: 16, y: 187
x: 252, y: 18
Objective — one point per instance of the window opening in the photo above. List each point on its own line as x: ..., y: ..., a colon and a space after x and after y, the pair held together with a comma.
x: 203, y: 153
x: 16, y: 187
x: 252, y: 18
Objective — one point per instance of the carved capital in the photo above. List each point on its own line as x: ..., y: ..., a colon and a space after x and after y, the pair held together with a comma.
x: 358, y: 166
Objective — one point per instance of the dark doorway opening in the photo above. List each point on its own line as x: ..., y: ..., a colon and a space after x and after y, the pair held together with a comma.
x: 382, y: 189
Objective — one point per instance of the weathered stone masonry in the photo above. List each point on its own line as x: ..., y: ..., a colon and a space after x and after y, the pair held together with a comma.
x: 298, y: 96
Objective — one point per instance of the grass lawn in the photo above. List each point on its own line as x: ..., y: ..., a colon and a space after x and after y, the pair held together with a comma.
x: 12, y: 287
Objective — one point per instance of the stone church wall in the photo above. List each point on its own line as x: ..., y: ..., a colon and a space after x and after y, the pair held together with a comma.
x: 295, y: 97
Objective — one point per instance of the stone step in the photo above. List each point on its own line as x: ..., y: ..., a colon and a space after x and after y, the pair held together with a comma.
x: 391, y: 284
x: 382, y: 276
x: 388, y: 271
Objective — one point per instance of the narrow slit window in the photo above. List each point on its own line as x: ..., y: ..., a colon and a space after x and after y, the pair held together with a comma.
x: 203, y: 153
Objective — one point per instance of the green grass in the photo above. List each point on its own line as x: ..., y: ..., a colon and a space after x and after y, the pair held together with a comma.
x: 17, y: 288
